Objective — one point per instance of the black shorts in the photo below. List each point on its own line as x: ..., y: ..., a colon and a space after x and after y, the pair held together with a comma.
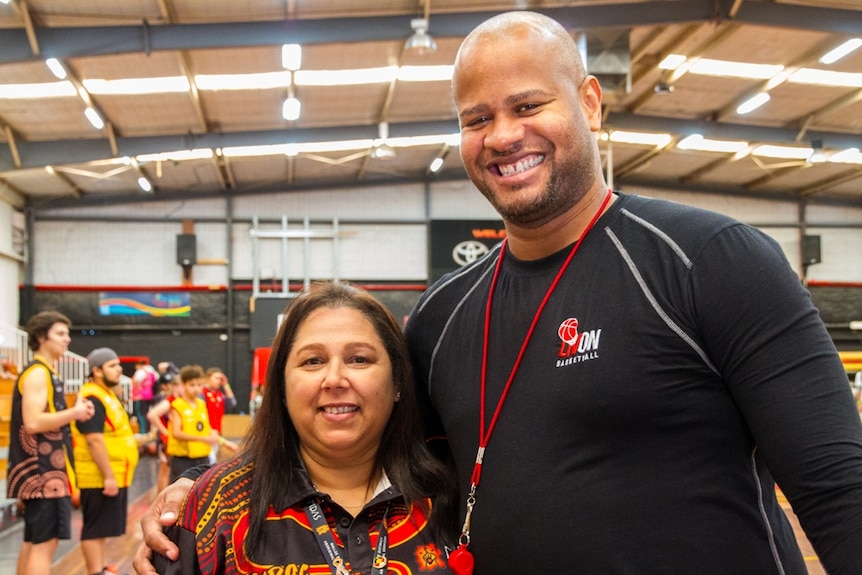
x: 103, y: 516
x: 181, y: 464
x: 46, y: 519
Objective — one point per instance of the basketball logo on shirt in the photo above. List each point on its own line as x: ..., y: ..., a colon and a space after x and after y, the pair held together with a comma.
x: 568, y: 331
x: 576, y: 346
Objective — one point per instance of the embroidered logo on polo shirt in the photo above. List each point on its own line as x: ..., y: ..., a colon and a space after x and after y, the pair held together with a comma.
x: 577, y: 346
x: 429, y: 557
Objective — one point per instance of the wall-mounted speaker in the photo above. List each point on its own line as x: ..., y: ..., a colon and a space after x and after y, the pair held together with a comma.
x: 810, y: 250
x: 187, y: 249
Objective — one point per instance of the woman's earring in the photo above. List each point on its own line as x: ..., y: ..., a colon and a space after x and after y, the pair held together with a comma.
x: 397, y: 395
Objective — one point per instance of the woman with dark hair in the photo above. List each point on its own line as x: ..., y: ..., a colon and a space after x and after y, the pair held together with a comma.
x: 334, y: 472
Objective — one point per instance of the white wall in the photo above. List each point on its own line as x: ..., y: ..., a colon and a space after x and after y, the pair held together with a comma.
x: 11, y: 263
x: 385, y: 239
x: 839, y: 228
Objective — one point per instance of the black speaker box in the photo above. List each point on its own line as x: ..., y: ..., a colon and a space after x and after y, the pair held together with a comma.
x: 810, y: 250
x: 187, y: 249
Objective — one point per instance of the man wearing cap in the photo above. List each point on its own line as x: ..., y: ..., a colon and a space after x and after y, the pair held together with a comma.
x: 106, y: 454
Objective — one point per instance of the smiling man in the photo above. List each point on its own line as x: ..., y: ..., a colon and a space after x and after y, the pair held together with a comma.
x: 623, y: 381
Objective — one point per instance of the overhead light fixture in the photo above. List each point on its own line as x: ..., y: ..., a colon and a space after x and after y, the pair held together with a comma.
x: 145, y: 184
x: 782, y: 152
x: 827, y: 78
x: 659, y: 140
x: 137, y: 86
x: 753, y: 103
x: 436, y: 164
x: 177, y: 156
x: 672, y: 62
x: 56, y: 68
x: 94, y: 118
x: 420, y: 41
x: 699, y: 143
x: 663, y: 88
x: 836, y: 54
x: 291, y: 57
x: 848, y: 156
x: 728, y: 69
x: 382, y: 150
x: 292, y: 106
x: 817, y: 156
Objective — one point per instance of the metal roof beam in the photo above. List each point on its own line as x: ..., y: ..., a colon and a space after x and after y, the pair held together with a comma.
x: 59, y: 152
x: 785, y: 15
x: 709, y: 129
x: 70, y: 42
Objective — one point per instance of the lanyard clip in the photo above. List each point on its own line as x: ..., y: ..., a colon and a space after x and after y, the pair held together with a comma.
x: 464, y: 539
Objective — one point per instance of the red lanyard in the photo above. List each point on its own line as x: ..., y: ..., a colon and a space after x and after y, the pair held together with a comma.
x: 461, y: 554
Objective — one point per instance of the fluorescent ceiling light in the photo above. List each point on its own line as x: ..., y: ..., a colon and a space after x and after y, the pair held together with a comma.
x: 293, y: 149
x: 848, y: 156
x: 56, y: 68
x: 837, y: 53
x: 176, y: 156
x: 436, y: 164
x: 145, y: 184
x: 434, y: 140
x: 672, y: 62
x: 133, y: 86
x: 827, y: 78
x: 383, y: 75
x: 425, y: 73
x: 32, y: 91
x: 94, y: 118
x: 753, y: 103
x: 701, y: 144
x: 778, y: 79
x: 291, y: 109
x: 707, y: 67
x: 291, y: 56
x: 783, y: 152
x: 261, y: 81
x: 640, y: 138
x: 453, y: 139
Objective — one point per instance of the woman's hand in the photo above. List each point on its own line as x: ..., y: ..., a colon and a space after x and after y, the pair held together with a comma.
x: 164, y: 512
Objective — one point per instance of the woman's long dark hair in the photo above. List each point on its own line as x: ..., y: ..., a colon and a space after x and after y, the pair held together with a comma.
x: 272, y: 441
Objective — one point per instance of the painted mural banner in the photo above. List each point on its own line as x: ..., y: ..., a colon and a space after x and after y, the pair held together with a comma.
x: 153, y: 304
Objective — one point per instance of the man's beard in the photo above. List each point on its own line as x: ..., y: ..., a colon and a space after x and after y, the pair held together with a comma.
x: 562, y: 191
x: 567, y: 185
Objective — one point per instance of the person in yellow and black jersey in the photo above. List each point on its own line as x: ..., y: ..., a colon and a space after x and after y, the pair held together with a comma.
x: 190, y: 435
x: 106, y: 455
x: 40, y: 472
